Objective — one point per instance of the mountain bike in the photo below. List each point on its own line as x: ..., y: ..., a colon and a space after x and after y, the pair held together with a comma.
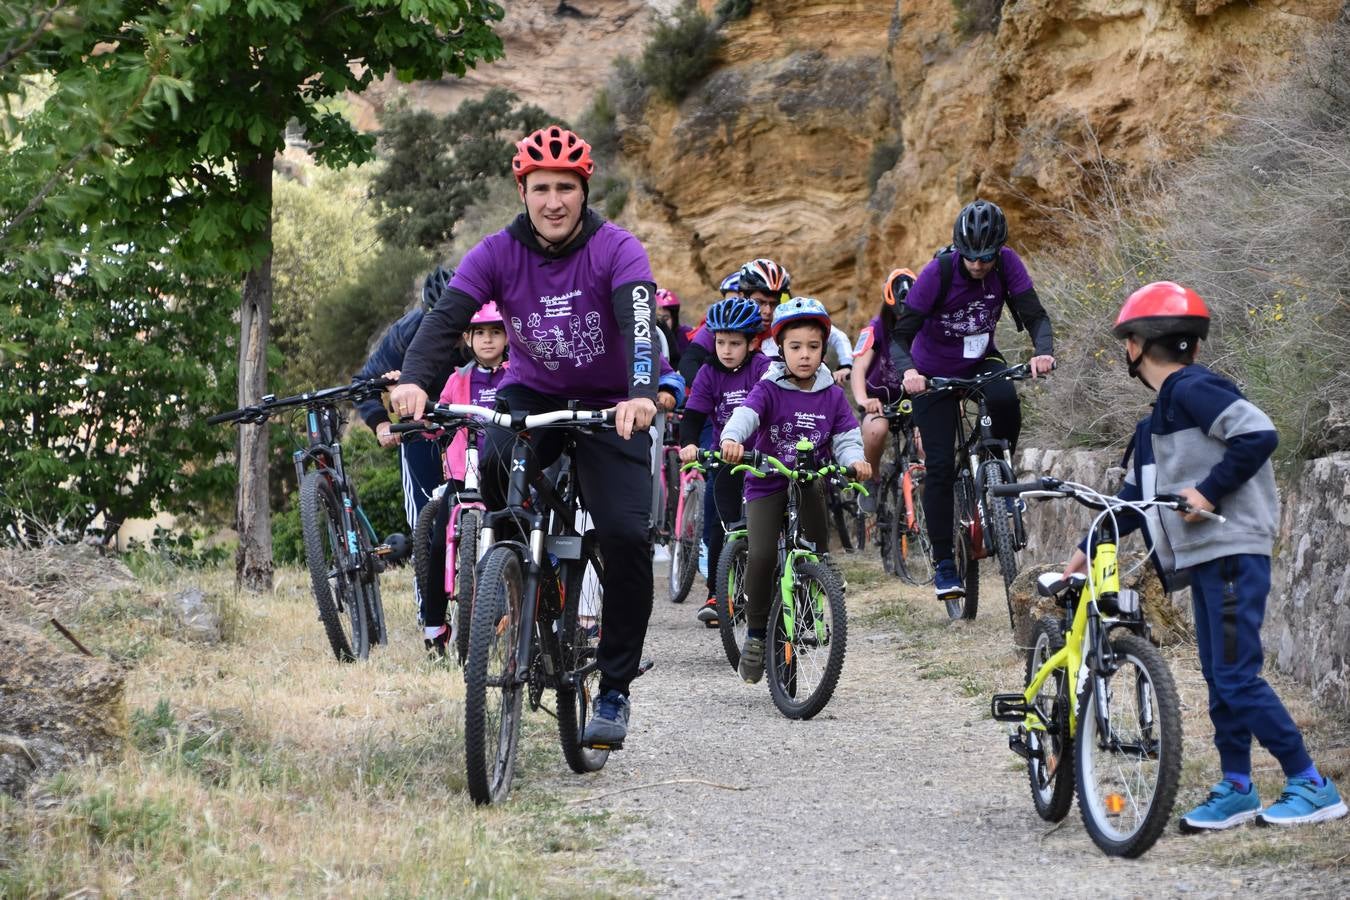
x: 983, y: 526
x: 537, y: 607
x: 342, y: 552
x: 461, y: 541
x: 846, y: 517
x: 902, y: 531
x: 808, y: 623
x: 684, y: 512
x: 1100, y: 711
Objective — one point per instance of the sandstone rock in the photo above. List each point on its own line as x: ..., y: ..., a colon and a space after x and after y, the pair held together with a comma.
x: 56, y: 708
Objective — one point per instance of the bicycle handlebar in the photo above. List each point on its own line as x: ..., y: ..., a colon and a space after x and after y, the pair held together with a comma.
x: 1012, y: 373
x: 270, y: 404
x: 1048, y: 488
x: 452, y: 413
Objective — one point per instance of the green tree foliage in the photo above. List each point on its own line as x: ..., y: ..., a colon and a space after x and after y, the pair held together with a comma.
x: 679, y: 51
x: 438, y: 166
x: 357, y: 313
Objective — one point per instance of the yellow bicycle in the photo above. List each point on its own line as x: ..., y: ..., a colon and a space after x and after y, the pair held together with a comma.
x: 1100, y: 709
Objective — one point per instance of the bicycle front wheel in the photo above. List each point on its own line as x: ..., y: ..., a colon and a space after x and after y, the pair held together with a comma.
x: 915, y: 551
x: 890, y: 515
x: 579, y: 642
x: 466, y: 576
x: 731, y: 597
x: 686, y: 540
x: 424, y: 532
x: 491, y: 694
x: 1000, y: 514
x: 1050, y: 764
x: 1128, y: 748
x: 337, y: 590
x: 808, y: 635
x: 963, y: 550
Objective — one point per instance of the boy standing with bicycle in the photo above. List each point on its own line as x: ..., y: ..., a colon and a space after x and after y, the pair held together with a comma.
x: 1207, y: 443
x: 796, y: 400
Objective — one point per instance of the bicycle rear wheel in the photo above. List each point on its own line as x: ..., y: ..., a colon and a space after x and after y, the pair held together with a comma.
x: 1050, y: 764
x: 491, y: 694
x: 337, y: 592
x: 1128, y: 770
x: 579, y: 642
x: 686, y: 541
x: 731, y: 597
x: 915, y: 549
x: 807, y: 643
x: 963, y: 551
x: 466, y: 576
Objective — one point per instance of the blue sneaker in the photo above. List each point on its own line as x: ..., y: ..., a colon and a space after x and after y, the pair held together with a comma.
x: 946, y: 583
x: 1226, y: 807
x: 609, y: 725
x: 1303, y: 802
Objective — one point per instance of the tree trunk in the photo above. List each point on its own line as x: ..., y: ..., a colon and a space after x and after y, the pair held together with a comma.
x: 253, y: 519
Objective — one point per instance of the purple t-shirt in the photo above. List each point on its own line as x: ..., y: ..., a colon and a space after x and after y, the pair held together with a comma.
x: 706, y: 338
x: 883, y: 380
x: 955, y: 339
x: 717, y: 393
x: 483, y: 385
x: 785, y: 417
x: 560, y: 324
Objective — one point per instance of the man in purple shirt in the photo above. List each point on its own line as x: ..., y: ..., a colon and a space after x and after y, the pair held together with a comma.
x: 577, y: 294
x: 953, y: 336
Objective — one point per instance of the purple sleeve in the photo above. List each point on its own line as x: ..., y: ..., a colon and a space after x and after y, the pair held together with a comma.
x: 760, y: 400
x: 759, y: 364
x: 475, y: 275
x: 700, y: 396
x: 705, y: 339
x: 923, y: 295
x: 630, y: 262
x: 1015, y: 274
x: 844, y: 419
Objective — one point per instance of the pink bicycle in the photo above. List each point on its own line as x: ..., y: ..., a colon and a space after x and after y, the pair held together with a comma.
x: 682, y: 503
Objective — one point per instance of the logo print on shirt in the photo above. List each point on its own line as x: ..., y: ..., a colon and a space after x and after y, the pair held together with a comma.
x: 572, y: 339
x: 642, y: 335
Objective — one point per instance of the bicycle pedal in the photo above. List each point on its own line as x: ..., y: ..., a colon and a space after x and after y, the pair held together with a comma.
x: 1019, y: 746
x: 1009, y: 708
x: 612, y: 745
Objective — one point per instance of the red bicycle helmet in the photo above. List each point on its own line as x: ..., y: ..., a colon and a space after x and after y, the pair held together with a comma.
x: 897, y: 286
x: 1160, y: 309
x: 553, y: 148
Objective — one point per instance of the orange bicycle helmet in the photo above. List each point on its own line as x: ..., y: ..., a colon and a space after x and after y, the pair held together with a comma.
x: 897, y: 286
x: 554, y: 148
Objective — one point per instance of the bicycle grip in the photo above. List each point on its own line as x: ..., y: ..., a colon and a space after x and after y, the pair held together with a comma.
x: 408, y: 427
x: 224, y: 417
x: 1013, y: 490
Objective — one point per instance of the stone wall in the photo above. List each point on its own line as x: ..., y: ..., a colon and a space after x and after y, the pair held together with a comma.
x: 1307, y: 630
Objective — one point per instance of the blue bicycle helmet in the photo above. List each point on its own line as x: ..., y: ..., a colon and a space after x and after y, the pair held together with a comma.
x: 435, y: 285
x: 797, y: 310
x: 734, y: 314
x: 731, y: 284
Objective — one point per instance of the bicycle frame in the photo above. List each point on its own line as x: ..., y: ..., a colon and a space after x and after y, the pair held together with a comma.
x: 452, y: 529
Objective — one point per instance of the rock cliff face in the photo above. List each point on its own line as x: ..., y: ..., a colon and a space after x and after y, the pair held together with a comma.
x: 775, y: 152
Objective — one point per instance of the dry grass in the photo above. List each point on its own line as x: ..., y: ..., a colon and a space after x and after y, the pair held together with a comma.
x: 261, y: 767
x: 977, y: 658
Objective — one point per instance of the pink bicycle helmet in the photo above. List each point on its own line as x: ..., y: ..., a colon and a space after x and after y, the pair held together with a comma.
x: 665, y: 298
x: 487, y: 315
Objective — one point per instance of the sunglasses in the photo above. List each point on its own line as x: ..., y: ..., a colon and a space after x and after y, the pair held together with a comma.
x: 986, y: 258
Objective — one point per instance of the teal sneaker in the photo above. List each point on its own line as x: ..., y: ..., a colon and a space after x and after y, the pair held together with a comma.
x: 1226, y: 807
x: 1303, y: 802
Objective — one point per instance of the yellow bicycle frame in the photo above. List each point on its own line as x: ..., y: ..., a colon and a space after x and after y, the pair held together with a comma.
x: 1103, y: 580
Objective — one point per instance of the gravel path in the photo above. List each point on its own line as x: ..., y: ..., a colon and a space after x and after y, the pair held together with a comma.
x: 901, y: 787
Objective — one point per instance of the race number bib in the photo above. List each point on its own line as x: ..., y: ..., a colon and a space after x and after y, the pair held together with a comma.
x: 976, y: 345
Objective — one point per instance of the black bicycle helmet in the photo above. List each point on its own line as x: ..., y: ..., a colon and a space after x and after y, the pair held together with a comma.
x: 764, y: 275
x: 980, y: 229
x: 435, y: 285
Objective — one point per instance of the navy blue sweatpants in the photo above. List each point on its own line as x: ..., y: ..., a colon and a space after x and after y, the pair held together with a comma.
x: 1229, y: 596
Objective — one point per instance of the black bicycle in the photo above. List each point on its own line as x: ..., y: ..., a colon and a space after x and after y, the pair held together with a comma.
x: 344, y: 556
x: 537, y: 605
x: 902, y: 531
x: 983, y: 525
x: 846, y: 517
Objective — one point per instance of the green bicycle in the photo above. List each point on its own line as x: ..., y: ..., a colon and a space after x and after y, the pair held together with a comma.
x: 1100, y: 709
x: 808, y: 624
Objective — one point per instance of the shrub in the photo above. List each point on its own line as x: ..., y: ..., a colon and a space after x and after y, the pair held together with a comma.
x: 731, y: 10
x: 679, y: 52
x: 975, y: 17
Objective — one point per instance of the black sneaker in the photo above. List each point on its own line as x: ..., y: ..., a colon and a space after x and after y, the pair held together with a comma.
x: 436, y: 646
x: 609, y: 725
x: 707, y: 613
x: 751, y: 668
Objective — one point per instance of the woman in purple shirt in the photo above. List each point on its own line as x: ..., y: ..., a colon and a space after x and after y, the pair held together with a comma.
x: 953, y: 336
x: 577, y: 295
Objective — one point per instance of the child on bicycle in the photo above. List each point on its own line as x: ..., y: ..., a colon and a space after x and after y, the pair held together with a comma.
x: 797, y: 399
x: 875, y: 379
x: 720, y: 387
x: 1209, y: 444
x: 474, y: 383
